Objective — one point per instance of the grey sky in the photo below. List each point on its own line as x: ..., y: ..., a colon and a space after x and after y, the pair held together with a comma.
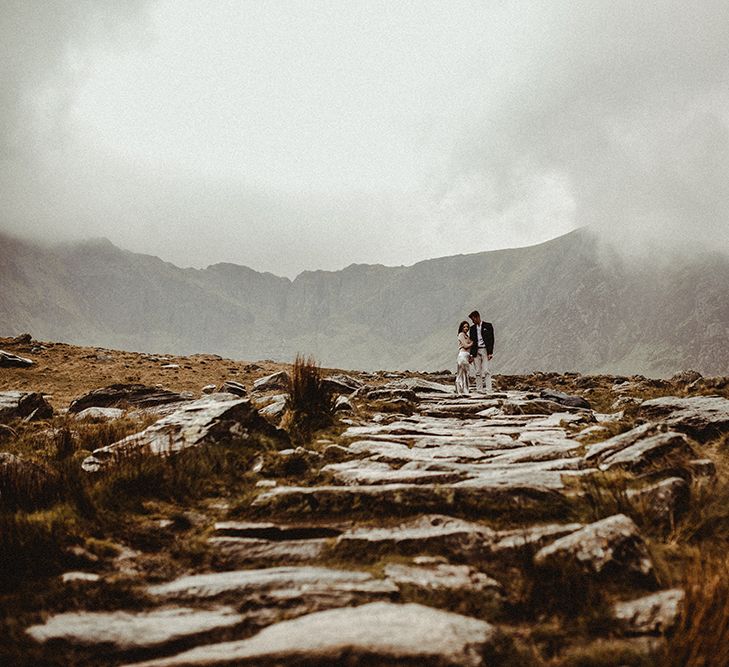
x: 303, y: 135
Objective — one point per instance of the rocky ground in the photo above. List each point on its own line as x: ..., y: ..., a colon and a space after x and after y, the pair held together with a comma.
x: 168, y: 511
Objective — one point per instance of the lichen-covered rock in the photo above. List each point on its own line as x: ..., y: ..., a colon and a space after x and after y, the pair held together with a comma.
x: 612, y: 547
x: 651, y: 614
x: 23, y: 405
x: 702, y: 417
x: 210, y: 419
x: 379, y: 633
x: 125, y: 395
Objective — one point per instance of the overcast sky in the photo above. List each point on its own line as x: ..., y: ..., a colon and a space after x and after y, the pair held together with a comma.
x: 301, y: 135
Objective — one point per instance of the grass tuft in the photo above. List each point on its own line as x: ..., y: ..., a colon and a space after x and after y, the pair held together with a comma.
x: 311, y: 402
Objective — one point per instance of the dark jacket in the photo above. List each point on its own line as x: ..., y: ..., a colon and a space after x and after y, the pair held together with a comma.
x: 487, y: 332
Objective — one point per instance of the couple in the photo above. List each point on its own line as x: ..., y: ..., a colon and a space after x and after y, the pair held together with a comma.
x: 475, y: 346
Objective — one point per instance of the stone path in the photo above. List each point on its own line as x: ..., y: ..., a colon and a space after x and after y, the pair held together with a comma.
x: 397, y: 551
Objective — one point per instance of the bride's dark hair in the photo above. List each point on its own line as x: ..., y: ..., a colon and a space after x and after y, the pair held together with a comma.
x: 460, y: 326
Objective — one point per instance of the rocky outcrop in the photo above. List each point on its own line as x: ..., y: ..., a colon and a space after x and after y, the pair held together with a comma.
x: 23, y: 405
x: 341, y: 384
x: 701, y: 417
x: 211, y: 419
x: 374, y: 634
x: 233, y: 387
x: 612, y: 547
x: 125, y: 396
x: 8, y: 360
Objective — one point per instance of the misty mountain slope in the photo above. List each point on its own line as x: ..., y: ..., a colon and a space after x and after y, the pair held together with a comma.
x: 567, y: 304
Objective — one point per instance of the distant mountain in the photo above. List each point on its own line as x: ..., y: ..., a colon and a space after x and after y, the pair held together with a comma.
x: 567, y: 304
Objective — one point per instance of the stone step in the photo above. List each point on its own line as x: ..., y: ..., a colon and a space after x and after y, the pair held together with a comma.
x: 124, y: 631
x: 376, y: 633
x: 523, y: 495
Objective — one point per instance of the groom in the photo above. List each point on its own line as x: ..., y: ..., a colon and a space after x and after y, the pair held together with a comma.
x: 482, y: 351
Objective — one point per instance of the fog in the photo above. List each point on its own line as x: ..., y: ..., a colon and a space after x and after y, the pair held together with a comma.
x: 306, y: 135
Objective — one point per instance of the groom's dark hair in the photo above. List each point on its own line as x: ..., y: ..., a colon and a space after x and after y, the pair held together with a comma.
x: 474, y: 313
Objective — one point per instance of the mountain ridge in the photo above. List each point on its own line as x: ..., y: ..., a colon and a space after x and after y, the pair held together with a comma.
x: 567, y: 304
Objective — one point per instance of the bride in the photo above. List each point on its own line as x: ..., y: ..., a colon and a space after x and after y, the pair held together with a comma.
x: 464, y: 358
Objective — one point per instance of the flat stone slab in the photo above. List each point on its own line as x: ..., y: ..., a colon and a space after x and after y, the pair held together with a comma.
x: 702, y: 417
x: 433, y: 533
x: 378, y: 633
x: 239, y: 551
x: 127, y: 630
x: 8, y: 360
x: 454, y: 538
x: 599, y: 450
x: 651, y: 614
x: 645, y: 451
x: 610, y: 547
x: 125, y: 395
x: 503, y: 493
x: 99, y: 413
x: 372, y: 472
x: 427, y: 577
x: 246, y: 582
x: 209, y: 419
x: 23, y: 405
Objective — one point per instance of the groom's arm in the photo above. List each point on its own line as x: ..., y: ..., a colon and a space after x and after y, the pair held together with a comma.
x: 474, y: 340
x: 488, y: 338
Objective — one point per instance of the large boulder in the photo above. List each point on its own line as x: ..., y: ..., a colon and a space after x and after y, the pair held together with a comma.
x: 213, y: 418
x: 125, y: 395
x: 379, y: 633
x: 23, y: 405
x: 612, y: 547
x: 702, y: 417
x: 8, y: 360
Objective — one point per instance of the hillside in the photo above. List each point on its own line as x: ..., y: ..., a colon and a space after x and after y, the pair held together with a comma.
x: 561, y: 305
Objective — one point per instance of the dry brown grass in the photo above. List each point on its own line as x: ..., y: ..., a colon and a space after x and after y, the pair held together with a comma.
x: 701, y: 638
x: 311, y: 402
